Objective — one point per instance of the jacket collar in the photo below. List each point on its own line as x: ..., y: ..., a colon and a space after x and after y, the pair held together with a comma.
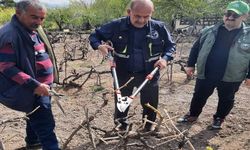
x: 18, y: 24
x: 21, y: 29
x: 243, y: 26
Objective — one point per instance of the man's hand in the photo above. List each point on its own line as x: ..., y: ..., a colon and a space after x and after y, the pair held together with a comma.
x: 190, y: 71
x: 104, y: 48
x: 42, y: 90
x: 247, y: 82
x: 161, y: 63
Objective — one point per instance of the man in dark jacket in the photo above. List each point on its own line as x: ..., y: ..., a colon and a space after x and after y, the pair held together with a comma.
x: 222, y: 55
x: 27, y: 70
x: 139, y: 44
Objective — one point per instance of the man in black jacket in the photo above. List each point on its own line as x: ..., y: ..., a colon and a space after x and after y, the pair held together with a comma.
x: 139, y: 44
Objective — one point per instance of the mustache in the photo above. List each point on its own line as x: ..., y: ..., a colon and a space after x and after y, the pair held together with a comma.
x: 230, y: 19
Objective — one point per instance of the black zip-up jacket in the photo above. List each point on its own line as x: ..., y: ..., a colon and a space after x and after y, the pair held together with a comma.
x: 157, y: 43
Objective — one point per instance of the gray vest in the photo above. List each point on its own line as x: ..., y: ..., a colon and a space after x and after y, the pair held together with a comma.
x: 239, y: 54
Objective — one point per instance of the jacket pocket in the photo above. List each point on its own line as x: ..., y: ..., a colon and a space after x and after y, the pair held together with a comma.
x: 120, y: 42
x: 18, y: 98
x: 156, y: 47
x: 5, y: 83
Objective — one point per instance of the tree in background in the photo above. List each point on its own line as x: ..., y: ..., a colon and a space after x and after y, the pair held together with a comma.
x: 7, y: 3
x: 82, y: 15
x: 70, y: 17
x: 58, y: 18
x: 106, y: 10
x: 6, y: 10
x: 79, y: 15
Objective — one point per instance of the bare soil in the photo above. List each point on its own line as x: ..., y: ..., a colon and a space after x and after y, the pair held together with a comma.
x: 175, y: 98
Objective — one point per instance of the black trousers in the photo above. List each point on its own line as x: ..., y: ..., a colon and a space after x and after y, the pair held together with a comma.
x: 204, y: 88
x: 149, y: 94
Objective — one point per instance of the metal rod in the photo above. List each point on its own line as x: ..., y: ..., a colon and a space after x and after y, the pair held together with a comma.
x: 115, y: 78
x: 139, y: 88
x: 145, y: 82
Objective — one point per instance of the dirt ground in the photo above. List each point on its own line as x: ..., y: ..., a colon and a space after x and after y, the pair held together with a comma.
x: 174, y: 101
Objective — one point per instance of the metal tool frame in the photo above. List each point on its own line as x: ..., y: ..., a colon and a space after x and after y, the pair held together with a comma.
x: 124, y: 102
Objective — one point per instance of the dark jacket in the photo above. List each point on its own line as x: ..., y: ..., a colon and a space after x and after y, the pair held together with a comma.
x: 13, y: 95
x: 158, y: 42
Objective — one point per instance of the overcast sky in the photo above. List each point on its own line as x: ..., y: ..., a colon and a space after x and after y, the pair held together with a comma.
x: 56, y: 2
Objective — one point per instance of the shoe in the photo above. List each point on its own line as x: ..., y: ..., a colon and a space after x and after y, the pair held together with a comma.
x: 121, y: 128
x: 121, y: 124
x: 217, y: 123
x: 147, y: 129
x: 36, y: 146
x: 187, y: 119
x: 153, y: 128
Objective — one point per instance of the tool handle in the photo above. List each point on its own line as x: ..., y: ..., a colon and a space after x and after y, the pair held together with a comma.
x: 112, y: 66
x: 149, y: 77
x: 113, y: 70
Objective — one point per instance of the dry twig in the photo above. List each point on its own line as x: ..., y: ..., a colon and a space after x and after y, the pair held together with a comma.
x: 189, y: 143
x: 26, y: 117
x: 84, y: 122
x: 132, y: 78
x: 89, y: 129
x: 158, y: 113
x: 1, y: 146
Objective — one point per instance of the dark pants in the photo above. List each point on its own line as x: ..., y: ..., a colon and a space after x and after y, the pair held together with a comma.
x: 149, y: 94
x: 204, y: 88
x: 40, y: 126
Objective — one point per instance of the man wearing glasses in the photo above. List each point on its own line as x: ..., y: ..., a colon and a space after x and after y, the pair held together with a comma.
x: 222, y: 56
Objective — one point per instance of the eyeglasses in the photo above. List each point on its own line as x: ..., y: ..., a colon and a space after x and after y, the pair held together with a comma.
x: 234, y: 15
